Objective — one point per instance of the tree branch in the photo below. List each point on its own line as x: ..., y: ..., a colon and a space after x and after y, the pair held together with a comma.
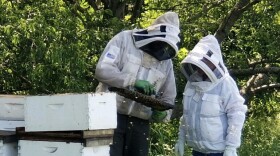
x: 265, y: 87
x: 239, y: 8
x: 254, y: 82
x: 136, y: 10
x: 206, y: 9
x: 92, y: 4
x: 270, y: 61
x: 116, y: 6
x: 246, y: 72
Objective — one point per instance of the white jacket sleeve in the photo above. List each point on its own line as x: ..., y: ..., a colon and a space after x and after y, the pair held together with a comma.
x: 168, y: 90
x: 182, y: 129
x: 109, y: 64
x: 180, y: 144
x: 235, y: 110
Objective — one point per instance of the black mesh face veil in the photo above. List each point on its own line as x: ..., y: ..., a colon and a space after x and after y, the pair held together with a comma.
x: 160, y: 50
x: 204, y: 68
x: 212, y: 67
x: 189, y: 69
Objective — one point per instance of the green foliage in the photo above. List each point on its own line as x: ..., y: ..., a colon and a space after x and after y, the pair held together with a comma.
x: 161, y: 142
x: 251, y: 43
x: 260, y: 137
x: 265, y: 105
x: 164, y: 137
x: 50, y: 46
x: 255, y: 37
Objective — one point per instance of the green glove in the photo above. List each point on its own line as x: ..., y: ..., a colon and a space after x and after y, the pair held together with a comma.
x: 144, y: 87
x: 158, y: 116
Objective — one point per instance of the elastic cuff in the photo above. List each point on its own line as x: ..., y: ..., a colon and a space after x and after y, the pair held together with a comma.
x: 230, y: 148
x: 130, y: 81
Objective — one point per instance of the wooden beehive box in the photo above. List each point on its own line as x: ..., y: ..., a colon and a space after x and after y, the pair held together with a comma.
x: 12, y: 107
x: 60, y: 143
x: 67, y: 112
x: 50, y: 148
x: 8, y: 143
x: 6, y: 125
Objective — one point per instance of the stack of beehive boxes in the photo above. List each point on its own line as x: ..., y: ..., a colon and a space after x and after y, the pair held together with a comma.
x: 8, y: 143
x: 67, y: 125
x: 11, y: 116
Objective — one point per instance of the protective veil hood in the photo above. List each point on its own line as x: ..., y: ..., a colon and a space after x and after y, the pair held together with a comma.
x: 165, y: 28
x: 207, y: 56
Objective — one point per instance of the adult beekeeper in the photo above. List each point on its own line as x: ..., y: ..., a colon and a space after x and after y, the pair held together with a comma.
x: 213, y: 109
x: 140, y: 60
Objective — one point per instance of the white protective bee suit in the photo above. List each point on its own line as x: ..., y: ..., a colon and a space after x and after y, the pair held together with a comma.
x: 134, y: 55
x: 214, y: 111
x: 123, y: 62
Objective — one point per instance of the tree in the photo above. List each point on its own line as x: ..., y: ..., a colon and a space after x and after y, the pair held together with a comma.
x: 248, y: 55
x: 52, y: 46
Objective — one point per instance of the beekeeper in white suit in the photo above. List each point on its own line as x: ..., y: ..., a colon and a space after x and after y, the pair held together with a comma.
x: 140, y: 59
x: 214, y: 111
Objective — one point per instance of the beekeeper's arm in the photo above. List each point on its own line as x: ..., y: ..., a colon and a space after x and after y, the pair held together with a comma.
x: 108, y: 66
x: 235, y: 110
x: 180, y: 144
x: 167, y: 93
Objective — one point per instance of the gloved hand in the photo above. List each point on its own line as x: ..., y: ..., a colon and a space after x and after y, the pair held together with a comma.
x: 179, y: 147
x: 158, y: 116
x: 144, y: 87
x: 230, y: 151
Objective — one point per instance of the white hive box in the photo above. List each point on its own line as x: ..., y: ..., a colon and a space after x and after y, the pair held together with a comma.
x: 8, y: 144
x: 8, y: 149
x: 66, y: 112
x: 6, y: 125
x: 12, y: 107
x: 46, y: 148
x: 97, y: 151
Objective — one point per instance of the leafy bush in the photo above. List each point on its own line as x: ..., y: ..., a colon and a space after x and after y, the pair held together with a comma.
x: 163, y: 138
x: 261, y: 137
x: 51, y: 47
